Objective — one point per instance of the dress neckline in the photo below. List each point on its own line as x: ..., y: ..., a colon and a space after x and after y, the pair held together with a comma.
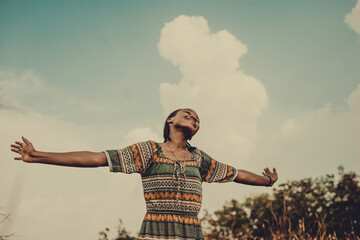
x: 164, y: 156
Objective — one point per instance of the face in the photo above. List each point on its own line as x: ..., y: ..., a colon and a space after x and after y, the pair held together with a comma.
x: 186, y: 118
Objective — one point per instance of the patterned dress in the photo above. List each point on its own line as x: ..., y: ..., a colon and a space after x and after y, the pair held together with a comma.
x: 172, y: 189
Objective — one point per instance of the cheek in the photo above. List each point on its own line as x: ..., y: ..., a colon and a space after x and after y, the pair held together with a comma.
x: 197, y: 129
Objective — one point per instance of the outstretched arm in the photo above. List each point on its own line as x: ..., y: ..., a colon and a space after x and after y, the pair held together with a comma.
x: 268, y: 178
x: 73, y: 159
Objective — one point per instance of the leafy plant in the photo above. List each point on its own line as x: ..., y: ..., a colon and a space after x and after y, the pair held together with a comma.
x: 317, y: 208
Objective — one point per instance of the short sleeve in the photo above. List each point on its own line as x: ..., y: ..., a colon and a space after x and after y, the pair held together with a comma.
x: 132, y: 159
x: 214, y: 171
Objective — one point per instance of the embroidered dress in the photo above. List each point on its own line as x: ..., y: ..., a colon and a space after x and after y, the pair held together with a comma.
x: 172, y: 189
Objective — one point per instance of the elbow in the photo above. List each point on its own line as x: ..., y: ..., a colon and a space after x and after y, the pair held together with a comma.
x: 238, y: 178
x: 93, y: 159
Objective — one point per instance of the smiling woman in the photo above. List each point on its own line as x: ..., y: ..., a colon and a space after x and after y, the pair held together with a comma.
x: 172, y: 173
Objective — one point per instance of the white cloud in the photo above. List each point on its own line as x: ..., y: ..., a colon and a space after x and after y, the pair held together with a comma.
x: 188, y: 43
x: 37, y: 195
x: 139, y: 135
x: 27, y: 92
x: 228, y: 101
x: 299, y: 126
x: 22, y: 185
x: 289, y: 127
x: 353, y: 18
x: 354, y: 103
x: 312, y: 143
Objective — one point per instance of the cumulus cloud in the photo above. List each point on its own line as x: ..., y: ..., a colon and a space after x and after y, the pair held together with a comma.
x: 311, y: 143
x: 228, y: 101
x: 353, y: 18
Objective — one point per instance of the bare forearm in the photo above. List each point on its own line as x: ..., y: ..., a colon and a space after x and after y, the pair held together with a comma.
x: 73, y: 159
x: 250, y: 178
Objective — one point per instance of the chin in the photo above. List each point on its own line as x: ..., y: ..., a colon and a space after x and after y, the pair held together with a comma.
x: 188, y: 132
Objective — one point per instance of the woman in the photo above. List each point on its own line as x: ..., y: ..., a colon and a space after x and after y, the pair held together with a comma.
x: 172, y: 173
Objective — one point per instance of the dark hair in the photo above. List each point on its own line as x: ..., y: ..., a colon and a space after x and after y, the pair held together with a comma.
x: 166, y: 125
x: 167, y: 130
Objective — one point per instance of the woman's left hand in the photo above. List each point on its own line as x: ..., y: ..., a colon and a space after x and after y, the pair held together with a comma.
x: 273, y: 175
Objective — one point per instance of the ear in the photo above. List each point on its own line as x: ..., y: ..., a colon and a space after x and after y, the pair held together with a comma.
x: 170, y: 120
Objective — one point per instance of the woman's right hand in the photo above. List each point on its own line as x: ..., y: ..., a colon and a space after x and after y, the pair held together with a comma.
x: 72, y: 159
x: 25, y: 149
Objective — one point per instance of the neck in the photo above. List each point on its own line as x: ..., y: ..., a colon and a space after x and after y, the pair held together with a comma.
x: 178, y: 139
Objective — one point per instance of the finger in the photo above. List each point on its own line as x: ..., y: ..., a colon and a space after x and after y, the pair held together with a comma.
x: 15, y: 150
x: 15, y: 146
x: 18, y: 158
x: 25, y: 140
x: 266, y: 170
x: 274, y: 170
x: 20, y: 143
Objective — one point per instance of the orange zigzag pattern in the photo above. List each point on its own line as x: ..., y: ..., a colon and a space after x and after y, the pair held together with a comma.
x: 211, y: 170
x: 228, y: 175
x: 171, y: 218
x: 172, y: 195
x: 166, y: 160
x: 153, y: 144
x: 137, y: 158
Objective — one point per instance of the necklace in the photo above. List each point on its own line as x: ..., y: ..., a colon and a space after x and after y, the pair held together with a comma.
x: 176, y: 173
x: 173, y: 152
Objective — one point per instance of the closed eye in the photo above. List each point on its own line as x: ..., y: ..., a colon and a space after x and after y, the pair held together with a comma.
x: 196, y: 120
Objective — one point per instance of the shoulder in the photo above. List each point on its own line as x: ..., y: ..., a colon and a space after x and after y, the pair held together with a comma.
x: 202, y: 153
x: 154, y: 145
x: 149, y: 145
x: 200, y: 156
x: 150, y: 142
x: 145, y: 146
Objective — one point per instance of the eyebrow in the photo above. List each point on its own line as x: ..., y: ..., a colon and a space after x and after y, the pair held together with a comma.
x: 196, y: 117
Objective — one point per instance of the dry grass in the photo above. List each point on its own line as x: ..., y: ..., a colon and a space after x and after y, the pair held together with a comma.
x: 281, y: 229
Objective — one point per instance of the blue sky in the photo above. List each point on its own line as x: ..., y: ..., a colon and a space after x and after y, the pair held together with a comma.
x: 79, y: 46
x: 95, y: 75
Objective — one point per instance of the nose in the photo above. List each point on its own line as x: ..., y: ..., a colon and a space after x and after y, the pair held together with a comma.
x: 195, y: 123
